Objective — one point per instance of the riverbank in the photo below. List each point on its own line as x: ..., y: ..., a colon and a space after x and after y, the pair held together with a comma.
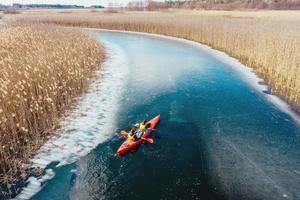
x: 91, y: 122
x: 42, y: 70
x: 266, y: 41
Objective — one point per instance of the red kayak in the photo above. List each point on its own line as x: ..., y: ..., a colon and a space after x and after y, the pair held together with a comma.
x: 132, y: 144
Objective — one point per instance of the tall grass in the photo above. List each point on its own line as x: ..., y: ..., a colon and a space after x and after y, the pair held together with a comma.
x: 42, y: 69
x: 11, y: 11
x: 224, y: 5
x: 269, y: 42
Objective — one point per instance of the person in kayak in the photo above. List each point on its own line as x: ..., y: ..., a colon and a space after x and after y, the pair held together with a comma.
x: 132, y: 134
x: 136, y: 126
x: 142, y: 129
x: 137, y: 130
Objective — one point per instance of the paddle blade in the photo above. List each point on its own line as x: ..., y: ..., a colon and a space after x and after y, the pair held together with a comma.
x: 150, y: 140
x: 123, y: 133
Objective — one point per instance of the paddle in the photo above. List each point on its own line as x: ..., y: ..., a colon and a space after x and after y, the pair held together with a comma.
x: 148, y: 140
x: 123, y: 133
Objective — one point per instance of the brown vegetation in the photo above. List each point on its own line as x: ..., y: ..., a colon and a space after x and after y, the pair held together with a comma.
x: 269, y: 41
x: 111, y: 10
x: 216, y: 4
x: 42, y: 69
x: 11, y: 11
x: 237, y: 4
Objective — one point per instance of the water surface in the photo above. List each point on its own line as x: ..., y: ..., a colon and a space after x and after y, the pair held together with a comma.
x: 218, y: 138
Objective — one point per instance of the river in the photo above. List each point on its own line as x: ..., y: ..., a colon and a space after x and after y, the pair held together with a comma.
x: 219, y: 136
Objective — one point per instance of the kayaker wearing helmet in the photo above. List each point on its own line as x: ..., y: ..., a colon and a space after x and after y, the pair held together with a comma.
x: 136, y: 126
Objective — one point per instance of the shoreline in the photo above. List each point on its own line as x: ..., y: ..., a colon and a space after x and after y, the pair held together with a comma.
x: 71, y: 142
x: 28, y: 129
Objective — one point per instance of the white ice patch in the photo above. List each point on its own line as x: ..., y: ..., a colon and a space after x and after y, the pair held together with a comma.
x: 90, y: 123
x: 35, y: 185
x: 246, y: 72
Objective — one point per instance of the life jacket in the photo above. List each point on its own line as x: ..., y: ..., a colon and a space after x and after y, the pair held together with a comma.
x: 142, y: 126
x: 130, y: 136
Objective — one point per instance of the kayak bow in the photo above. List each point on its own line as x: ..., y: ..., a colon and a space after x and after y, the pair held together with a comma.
x: 129, y: 145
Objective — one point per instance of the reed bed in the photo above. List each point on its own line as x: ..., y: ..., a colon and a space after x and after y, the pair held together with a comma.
x: 42, y: 69
x: 267, y: 41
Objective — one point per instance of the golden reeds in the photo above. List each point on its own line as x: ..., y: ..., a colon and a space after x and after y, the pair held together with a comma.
x: 267, y: 41
x: 42, y: 69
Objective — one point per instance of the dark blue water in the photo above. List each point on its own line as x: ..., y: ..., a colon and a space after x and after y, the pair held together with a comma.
x: 218, y: 138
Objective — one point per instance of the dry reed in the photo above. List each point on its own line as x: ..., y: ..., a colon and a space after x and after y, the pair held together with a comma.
x: 267, y: 41
x: 11, y: 11
x: 42, y: 69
